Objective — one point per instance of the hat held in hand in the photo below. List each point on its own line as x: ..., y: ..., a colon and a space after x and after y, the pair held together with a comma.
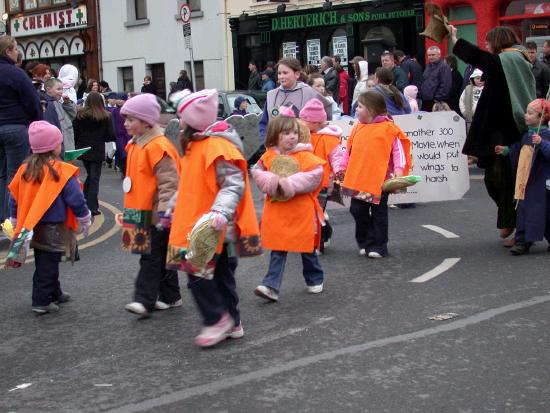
x: 438, y: 27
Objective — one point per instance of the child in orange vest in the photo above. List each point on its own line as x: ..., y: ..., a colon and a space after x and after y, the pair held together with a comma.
x: 377, y: 149
x: 213, y: 186
x: 46, y: 208
x: 326, y: 141
x: 292, y: 222
x: 152, y: 174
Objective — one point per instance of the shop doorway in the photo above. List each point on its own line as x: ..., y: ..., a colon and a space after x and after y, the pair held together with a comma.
x: 159, y: 79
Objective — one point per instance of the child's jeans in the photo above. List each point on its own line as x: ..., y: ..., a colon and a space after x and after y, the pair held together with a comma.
x: 45, y: 281
x: 371, y: 225
x: 219, y: 295
x: 154, y: 282
x: 313, y: 273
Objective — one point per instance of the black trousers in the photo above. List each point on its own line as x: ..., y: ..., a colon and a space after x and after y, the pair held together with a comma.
x: 547, y: 228
x: 91, y: 185
x: 219, y: 295
x: 500, y: 183
x: 154, y: 282
x: 371, y: 224
x: 45, y: 281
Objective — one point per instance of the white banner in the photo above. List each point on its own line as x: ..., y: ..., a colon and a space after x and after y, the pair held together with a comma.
x: 289, y: 49
x: 340, y: 48
x: 436, y: 140
x: 313, y: 51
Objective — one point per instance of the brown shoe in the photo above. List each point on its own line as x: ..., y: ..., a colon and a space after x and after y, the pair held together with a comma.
x: 506, y: 232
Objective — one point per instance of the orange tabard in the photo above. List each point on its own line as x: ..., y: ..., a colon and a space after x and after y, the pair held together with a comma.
x: 139, y: 200
x: 290, y: 225
x: 140, y: 168
x: 323, y: 145
x: 370, y: 148
x: 197, y: 191
x: 34, y: 198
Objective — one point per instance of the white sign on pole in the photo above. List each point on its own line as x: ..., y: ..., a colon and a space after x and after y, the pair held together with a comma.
x: 340, y: 48
x: 289, y: 49
x: 313, y: 51
x: 436, y: 144
x: 187, y: 35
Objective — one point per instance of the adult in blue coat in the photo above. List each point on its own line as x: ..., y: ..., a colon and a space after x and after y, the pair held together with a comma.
x: 19, y: 106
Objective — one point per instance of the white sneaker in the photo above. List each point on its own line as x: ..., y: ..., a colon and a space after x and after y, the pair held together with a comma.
x: 136, y: 308
x: 161, y: 305
x: 373, y: 254
x: 236, y: 332
x: 362, y: 252
x: 266, y: 292
x: 315, y: 289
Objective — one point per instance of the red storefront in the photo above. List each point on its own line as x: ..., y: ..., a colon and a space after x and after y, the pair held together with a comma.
x: 474, y: 18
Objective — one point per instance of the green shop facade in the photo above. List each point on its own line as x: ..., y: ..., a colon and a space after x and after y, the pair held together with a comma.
x: 359, y: 29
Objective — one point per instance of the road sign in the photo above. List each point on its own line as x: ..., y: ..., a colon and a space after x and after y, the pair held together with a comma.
x: 185, y: 13
x: 187, y: 34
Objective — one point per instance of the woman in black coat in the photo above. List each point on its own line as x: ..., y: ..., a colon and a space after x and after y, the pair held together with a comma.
x: 508, y: 77
x: 93, y: 127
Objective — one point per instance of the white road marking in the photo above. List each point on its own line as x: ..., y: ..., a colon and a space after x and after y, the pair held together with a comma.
x: 212, y: 388
x: 289, y: 332
x: 439, y: 230
x: 447, y: 264
x: 98, y: 222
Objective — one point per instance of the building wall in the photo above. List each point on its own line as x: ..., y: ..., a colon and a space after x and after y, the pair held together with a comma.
x: 159, y: 40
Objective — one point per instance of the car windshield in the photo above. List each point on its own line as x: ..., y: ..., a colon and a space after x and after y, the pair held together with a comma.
x: 252, y: 108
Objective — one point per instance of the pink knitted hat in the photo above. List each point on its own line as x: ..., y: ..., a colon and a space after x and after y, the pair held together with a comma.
x: 44, y: 137
x: 313, y: 111
x: 143, y: 107
x: 199, y: 110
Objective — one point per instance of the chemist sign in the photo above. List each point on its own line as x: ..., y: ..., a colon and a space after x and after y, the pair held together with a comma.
x: 436, y: 144
x: 49, y: 22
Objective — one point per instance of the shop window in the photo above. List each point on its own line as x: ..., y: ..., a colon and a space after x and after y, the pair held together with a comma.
x: 15, y: 6
x: 140, y: 7
x: 529, y: 18
x: 461, y: 13
x: 44, y: 3
x: 464, y: 18
x: 30, y: 4
x: 59, y: 1
x: 126, y: 75
x: 338, y: 46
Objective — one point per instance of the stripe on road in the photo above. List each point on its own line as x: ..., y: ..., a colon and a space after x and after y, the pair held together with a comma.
x: 439, y: 230
x: 447, y: 264
x: 232, y: 380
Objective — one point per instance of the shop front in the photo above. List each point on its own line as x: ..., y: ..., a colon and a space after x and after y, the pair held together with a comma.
x: 529, y: 18
x: 364, y: 29
x: 55, y: 33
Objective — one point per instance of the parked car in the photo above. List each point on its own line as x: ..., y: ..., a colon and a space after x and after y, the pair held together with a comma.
x: 226, y: 103
x: 167, y: 112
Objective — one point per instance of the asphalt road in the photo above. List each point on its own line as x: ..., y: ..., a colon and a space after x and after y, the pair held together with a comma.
x: 366, y: 344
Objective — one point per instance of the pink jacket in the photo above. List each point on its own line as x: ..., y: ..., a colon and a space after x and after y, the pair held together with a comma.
x: 298, y: 183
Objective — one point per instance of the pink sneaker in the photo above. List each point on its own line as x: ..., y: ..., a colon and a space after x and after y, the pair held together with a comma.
x: 212, y: 335
x: 236, y: 332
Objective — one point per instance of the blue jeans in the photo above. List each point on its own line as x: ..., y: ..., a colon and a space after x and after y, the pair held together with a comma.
x: 14, y: 148
x: 313, y: 273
